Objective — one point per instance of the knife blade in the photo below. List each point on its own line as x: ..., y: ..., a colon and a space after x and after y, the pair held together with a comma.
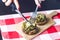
x: 23, y: 16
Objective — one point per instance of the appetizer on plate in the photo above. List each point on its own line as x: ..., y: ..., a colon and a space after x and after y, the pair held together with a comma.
x: 39, y: 24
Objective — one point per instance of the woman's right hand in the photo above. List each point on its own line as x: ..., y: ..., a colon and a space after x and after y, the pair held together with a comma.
x: 37, y: 2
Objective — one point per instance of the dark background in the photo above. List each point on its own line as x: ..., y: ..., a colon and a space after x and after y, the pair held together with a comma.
x: 29, y: 6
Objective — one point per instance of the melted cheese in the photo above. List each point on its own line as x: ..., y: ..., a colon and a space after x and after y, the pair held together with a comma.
x: 28, y: 24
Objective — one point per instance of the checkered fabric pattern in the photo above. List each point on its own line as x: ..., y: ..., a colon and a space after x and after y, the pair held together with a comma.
x: 9, y: 32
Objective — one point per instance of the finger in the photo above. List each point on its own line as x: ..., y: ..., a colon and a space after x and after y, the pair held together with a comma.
x: 37, y: 2
x: 43, y: 0
x: 8, y: 2
x: 16, y: 3
x: 4, y: 0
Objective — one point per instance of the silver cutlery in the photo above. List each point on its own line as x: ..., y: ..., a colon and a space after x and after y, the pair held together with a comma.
x: 21, y: 14
x: 34, y: 13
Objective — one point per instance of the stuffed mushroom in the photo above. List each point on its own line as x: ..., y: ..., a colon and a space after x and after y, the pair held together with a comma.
x: 41, y: 19
x: 30, y: 29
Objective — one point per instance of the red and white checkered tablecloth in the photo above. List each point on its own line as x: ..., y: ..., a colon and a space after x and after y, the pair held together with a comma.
x: 9, y: 32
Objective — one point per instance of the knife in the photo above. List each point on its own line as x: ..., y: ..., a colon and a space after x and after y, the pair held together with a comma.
x: 21, y: 14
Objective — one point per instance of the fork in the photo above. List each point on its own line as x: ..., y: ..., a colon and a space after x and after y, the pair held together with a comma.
x: 34, y: 13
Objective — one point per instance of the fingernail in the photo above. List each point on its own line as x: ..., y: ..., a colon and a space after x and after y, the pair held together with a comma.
x: 6, y: 4
x: 39, y: 6
x: 18, y: 9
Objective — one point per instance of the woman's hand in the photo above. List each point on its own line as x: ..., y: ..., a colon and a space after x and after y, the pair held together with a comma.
x: 8, y: 2
x: 37, y: 2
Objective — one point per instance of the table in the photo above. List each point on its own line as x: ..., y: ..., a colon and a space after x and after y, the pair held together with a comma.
x: 9, y: 32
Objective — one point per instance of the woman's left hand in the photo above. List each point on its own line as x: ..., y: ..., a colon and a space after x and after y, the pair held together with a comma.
x: 8, y: 2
